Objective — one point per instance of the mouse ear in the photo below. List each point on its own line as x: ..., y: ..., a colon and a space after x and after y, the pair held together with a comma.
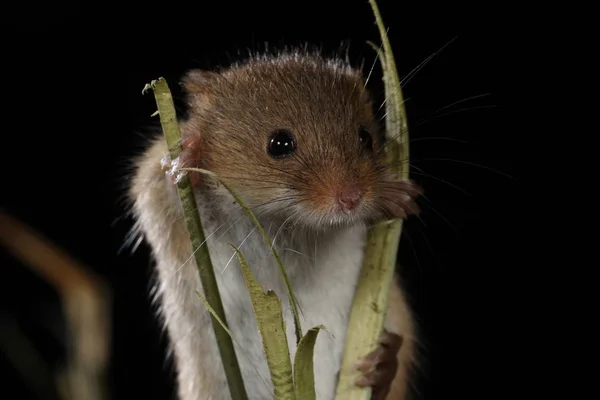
x: 198, y: 81
x: 198, y: 86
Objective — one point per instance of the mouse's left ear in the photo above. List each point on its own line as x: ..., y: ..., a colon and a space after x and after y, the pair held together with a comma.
x: 198, y: 86
x: 198, y: 80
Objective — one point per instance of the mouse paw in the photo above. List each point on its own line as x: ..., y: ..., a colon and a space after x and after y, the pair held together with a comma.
x: 171, y: 168
x: 379, y: 367
x: 189, y: 157
x: 400, y: 198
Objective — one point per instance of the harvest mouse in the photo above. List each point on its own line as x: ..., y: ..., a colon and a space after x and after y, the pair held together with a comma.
x: 295, y: 136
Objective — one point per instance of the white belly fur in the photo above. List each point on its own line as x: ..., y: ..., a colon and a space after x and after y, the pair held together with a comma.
x: 323, y: 285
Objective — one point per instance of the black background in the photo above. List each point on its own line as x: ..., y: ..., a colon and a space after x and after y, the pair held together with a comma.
x: 74, y: 82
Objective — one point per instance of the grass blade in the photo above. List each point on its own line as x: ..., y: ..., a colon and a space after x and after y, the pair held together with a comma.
x: 369, y: 306
x: 304, y: 376
x: 269, y: 317
x: 168, y: 120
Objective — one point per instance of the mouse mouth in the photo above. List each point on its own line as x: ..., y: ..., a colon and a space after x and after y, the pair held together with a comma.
x: 352, y: 204
x: 327, y: 207
x: 345, y: 219
x: 321, y: 208
x: 307, y: 216
x: 337, y: 206
x: 337, y: 216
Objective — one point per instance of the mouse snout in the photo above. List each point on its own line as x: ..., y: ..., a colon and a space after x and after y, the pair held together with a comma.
x: 349, y: 197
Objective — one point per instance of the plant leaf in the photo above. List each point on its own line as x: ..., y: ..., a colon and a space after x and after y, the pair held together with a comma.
x: 369, y: 306
x: 269, y: 317
x: 304, y: 376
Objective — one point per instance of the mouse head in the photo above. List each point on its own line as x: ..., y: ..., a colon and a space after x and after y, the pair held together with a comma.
x: 296, y: 137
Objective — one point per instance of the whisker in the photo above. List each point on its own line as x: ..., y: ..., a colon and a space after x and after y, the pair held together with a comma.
x: 262, y: 207
x: 406, y: 79
x: 428, y: 244
x: 297, y: 252
x: 443, y: 181
x: 231, y: 226
x: 470, y: 163
x: 439, y: 138
x: 385, y: 208
x: 276, y: 183
x: 234, y: 253
x: 310, y: 167
x: 387, y: 111
x: 416, y: 124
x: 292, y: 174
x: 412, y: 246
x: 428, y: 204
x: 197, y: 248
x: 425, y: 120
x: 414, y: 71
x: 183, y: 216
x: 389, y: 165
x: 403, y: 206
x: 269, y: 230
x: 279, y: 230
x: 373, y: 66
x: 461, y: 101
x: 466, y: 109
x: 392, y: 140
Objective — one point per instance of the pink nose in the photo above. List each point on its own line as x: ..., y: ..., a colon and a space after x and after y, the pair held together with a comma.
x: 349, y: 198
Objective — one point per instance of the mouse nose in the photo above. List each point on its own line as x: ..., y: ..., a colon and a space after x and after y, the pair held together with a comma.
x: 349, y: 197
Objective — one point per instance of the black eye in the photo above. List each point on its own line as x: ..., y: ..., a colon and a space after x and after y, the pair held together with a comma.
x: 365, y: 137
x: 281, y: 144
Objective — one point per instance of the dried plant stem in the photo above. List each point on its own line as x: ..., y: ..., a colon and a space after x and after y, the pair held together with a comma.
x: 86, y: 305
x: 168, y: 120
x: 369, y: 307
